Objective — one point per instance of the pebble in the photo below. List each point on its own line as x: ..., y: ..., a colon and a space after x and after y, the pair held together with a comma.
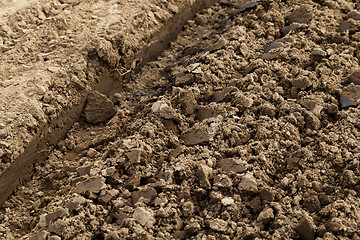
x: 54, y: 238
x: 92, y: 185
x: 354, y: 78
x: 345, y: 102
x: 218, y: 225
x: 195, y: 136
x: 234, y: 165
x: 272, y: 45
x: 250, y: 5
x: 266, y: 195
x: 144, y: 217
x: 306, y: 229
x: 248, y: 184
x: 265, y: 216
x: 205, y: 112
x: 318, y: 55
x: 147, y: 193
x: 98, y: 108
x: 164, y: 109
x: 227, y: 201
x: 204, y: 173
x: 222, y: 181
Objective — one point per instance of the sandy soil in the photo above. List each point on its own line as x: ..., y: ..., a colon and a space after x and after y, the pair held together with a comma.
x: 247, y: 127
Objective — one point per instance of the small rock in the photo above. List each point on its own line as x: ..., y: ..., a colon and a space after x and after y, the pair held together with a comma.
x: 147, y: 193
x: 306, y: 229
x: 267, y: 109
x: 241, y: 101
x: 206, y: 112
x: 318, y: 55
x: 164, y: 109
x: 144, y: 217
x: 134, y: 155
x: 265, y: 216
x: 346, y: 102
x: 354, y: 78
x: 301, y: 82
x: 266, y: 195
x: 98, y: 108
x: 75, y: 203
x: 84, y: 170
x: 312, y: 203
x: 311, y: 120
x: 218, y: 225
x: 301, y: 14
x: 290, y: 28
x: 57, y: 214
x: 227, y: 201
x: 204, y: 172
x: 250, y: 5
x: 248, y: 184
x: 195, y: 136
x: 92, y: 185
x: 222, y: 181
x: 188, y: 103
x: 220, y: 95
x: 234, y: 165
x: 272, y: 45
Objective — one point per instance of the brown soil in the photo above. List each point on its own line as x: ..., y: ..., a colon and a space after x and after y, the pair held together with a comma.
x: 246, y: 127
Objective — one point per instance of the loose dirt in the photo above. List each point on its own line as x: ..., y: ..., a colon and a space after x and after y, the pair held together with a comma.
x: 246, y: 127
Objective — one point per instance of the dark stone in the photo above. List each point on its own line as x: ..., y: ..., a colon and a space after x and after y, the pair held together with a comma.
x: 250, y: 6
x: 149, y: 193
x: 318, y: 55
x: 354, y: 78
x: 196, y: 136
x: 98, y: 108
x: 312, y: 203
x: 273, y: 45
x: 346, y: 102
x: 83, y: 170
x: 229, y: 165
x: 266, y: 195
x: 206, y: 112
x: 306, y: 229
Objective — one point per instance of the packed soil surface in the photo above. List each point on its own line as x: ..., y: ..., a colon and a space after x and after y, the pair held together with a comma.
x: 246, y: 127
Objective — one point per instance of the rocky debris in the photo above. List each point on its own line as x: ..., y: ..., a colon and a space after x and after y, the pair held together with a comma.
x: 39, y: 236
x: 305, y: 228
x: 99, y: 108
x: 245, y: 147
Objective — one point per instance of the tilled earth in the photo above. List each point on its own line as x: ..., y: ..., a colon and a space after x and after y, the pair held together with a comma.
x: 246, y: 127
